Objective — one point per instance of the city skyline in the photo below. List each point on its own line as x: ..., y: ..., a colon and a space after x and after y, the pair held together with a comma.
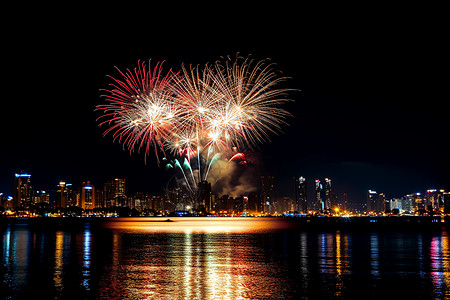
x: 368, y: 105
x: 322, y: 198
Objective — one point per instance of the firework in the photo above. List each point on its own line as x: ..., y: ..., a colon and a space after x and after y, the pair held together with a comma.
x: 199, y: 115
x: 141, y: 112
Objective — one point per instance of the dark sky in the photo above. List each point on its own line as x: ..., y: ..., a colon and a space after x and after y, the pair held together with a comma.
x: 371, y: 113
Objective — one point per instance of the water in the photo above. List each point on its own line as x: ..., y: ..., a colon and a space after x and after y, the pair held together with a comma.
x: 195, y: 258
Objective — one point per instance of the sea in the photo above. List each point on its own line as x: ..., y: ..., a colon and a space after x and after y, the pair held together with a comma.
x: 220, y: 258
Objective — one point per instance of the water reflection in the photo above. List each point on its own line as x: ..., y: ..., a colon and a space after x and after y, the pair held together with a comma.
x: 374, y: 256
x: 188, y: 265
x: 59, y: 259
x: 86, y: 259
x: 198, y: 225
x: 260, y: 260
x: 440, y: 267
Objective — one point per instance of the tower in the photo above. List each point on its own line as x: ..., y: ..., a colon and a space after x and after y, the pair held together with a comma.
x: 319, y: 201
x: 267, y: 194
x: 114, y: 193
x: 87, y: 195
x: 62, y: 194
x: 119, y: 192
x: 328, y: 196
x: 300, y: 201
x: 372, y: 200
x: 22, y: 191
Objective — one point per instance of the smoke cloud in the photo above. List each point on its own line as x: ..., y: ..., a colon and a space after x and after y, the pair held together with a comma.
x: 234, y: 178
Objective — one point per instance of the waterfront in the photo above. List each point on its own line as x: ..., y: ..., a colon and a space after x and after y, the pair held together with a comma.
x: 221, y: 258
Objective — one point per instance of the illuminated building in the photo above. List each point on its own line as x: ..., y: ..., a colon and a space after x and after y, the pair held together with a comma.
x: 109, y: 194
x: 61, y: 195
x: 319, y: 205
x: 383, y: 204
x: 395, y: 204
x: 267, y: 194
x: 114, y: 193
x: 329, y: 202
x: 119, y: 189
x: 432, y: 200
x: 284, y: 204
x: 22, y: 190
x: 441, y: 200
x: 417, y: 201
x: 177, y: 198
x: 300, y: 201
x: 376, y: 203
x: 87, y: 196
x: 6, y: 202
x: 446, y: 201
x: 372, y: 200
x: 65, y: 196
x: 140, y: 202
x: 99, y: 199
x: 407, y: 205
x: 157, y: 203
x: 41, y: 197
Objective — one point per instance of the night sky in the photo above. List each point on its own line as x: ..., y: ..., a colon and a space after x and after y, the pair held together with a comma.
x: 370, y: 111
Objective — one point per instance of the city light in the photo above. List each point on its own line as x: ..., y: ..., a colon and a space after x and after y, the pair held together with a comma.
x: 108, y: 199
x: 22, y: 175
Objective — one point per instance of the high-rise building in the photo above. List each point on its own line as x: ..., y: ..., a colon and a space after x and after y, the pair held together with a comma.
x: 176, y: 197
x: 158, y: 203
x: 376, y: 203
x: 318, y: 204
x: 64, y: 195
x: 236, y: 205
x: 328, y: 196
x: 114, y: 193
x: 119, y: 189
x: 417, y: 201
x: 345, y: 204
x: 372, y: 198
x: 22, y: 190
x: 267, y: 194
x: 140, y: 201
x: 407, y: 205
x: 99, y: 199
x: 204, y: 196
x: 87, y: 195
x: 446, y: 201
x: 383, y: 203
x: 41, y: 197
x: 6, y: 202
x: 109, y: 194
x: 300, y: 200
x: 223, y: 203
x: 254, y: 203
x: 432, y: 200
x: 284, y: 205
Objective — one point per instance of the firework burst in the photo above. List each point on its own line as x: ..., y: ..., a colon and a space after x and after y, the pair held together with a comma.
x: 199, y: 115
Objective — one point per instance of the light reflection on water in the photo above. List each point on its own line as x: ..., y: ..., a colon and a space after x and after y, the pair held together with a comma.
x: 222, y: 258
x: 197, y: 225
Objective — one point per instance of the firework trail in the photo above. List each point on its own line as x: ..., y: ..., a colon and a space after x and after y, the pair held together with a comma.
x: 198, y: 115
